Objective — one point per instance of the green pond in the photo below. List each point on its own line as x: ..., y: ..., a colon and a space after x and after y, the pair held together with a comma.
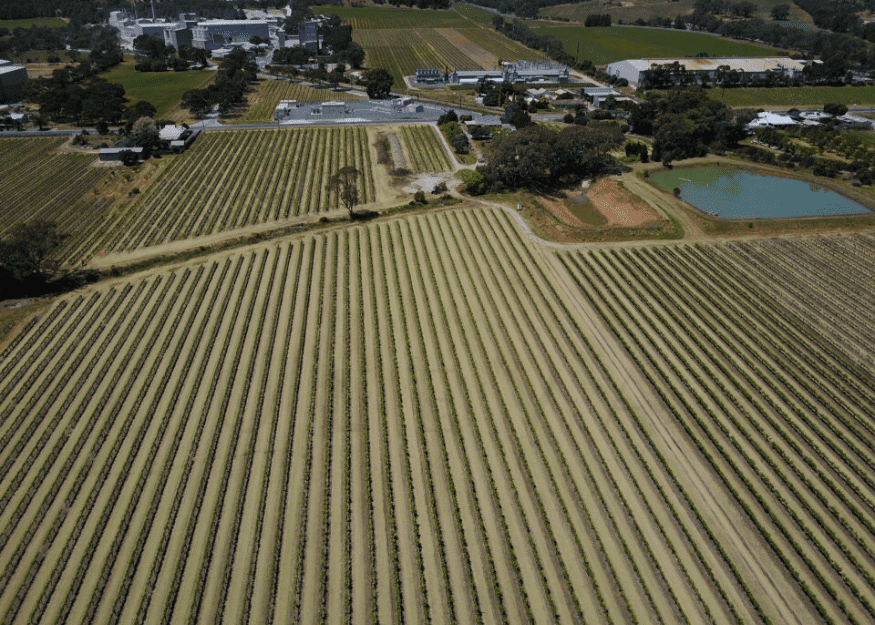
x: 735, y: 194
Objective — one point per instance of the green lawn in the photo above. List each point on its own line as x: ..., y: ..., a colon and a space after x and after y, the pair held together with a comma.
x: 606, y: 45
x: 163, y: 89
x: 789, y: 97
x: 627, y: 12
x: 46, y: 22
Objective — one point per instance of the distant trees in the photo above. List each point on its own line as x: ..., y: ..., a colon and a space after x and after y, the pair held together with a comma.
x: 295, y: 55
x: 449, y: 125
x: 235, y: 74
x: 353, y: 55
x: 780, y: 12
x: 685, y: 123
x: 516, y: 30
x: 75, y: 94
x: 836, y: 110
x: 378, y: 83
x: 517, y: 116
x: 153, y: 54
x: 541, y: 158
x: 597, y: 19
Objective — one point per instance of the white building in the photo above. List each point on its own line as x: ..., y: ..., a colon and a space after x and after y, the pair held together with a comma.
x: 214, y: 34
x: 752, y: 67
x: 12, y: 81
x: 519, y: 72
x: 188, y: 29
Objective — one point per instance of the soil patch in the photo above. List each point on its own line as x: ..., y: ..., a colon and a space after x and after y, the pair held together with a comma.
x: 619, y: 205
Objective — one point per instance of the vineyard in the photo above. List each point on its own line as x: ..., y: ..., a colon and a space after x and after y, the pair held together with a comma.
x: 30, y: 169
x: 234, y: 179
x: 429, y: 420
x: 268, y: 93
x: 403, y: 40
x: 424, y: 150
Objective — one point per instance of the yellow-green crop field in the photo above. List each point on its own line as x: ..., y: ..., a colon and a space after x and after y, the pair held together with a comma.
x: 433, y: 419
x: 31, y: 169
x: 403, y: 40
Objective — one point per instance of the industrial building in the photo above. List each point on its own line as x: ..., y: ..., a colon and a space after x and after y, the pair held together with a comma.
x: 430, y: 76
x: 189, y: 30
x: 633, y: 70
x: 519, y: 72
x: 214, y: 34
x: 12, y: 81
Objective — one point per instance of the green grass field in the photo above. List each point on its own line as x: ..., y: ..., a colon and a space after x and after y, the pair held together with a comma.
x: 45, y: 22
x: 606, y: 45
x: 162, y: 89
x: 378, y: 17
x: 795, y: 96
x: 473, y: 13
x: 630, y: 10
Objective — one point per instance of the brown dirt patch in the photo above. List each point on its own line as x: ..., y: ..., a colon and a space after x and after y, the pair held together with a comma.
x: 571, y: 212
x: 620, y: 206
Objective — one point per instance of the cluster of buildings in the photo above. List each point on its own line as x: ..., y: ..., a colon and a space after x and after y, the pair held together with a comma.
x: 519, y: 72
x: 12, y: 81
x: 761, y: 67
x: 768, y: 119
x: 215, y: 35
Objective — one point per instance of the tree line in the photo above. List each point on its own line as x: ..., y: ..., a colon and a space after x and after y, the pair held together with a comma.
x: 228, y: 90
x: 516, y: 30
x: 153, y: 55
x: 543, y: 159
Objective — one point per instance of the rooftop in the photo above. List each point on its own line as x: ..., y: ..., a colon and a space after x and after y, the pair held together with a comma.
x: 745, y: 64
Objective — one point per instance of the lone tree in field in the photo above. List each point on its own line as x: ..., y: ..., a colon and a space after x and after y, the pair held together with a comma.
x: 26, y: 252
x: 378, y: 83
x: 346, y: 182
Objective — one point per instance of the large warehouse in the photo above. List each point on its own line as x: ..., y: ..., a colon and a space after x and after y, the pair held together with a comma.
x: 752, y: 67
x: 12, y: 81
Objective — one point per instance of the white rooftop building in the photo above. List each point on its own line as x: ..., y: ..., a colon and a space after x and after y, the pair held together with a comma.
x: 12, y: 81
x: 633, y: 69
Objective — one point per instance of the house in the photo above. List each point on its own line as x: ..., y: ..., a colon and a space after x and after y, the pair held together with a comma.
x: 597, y: 95
x: 771, y: 120
x: 116, y: 155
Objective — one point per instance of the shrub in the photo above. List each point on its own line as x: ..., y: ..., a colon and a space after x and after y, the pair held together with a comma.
x: 475, y: 183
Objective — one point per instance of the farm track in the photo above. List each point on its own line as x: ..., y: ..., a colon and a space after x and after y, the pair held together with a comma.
x: 429, y: 419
